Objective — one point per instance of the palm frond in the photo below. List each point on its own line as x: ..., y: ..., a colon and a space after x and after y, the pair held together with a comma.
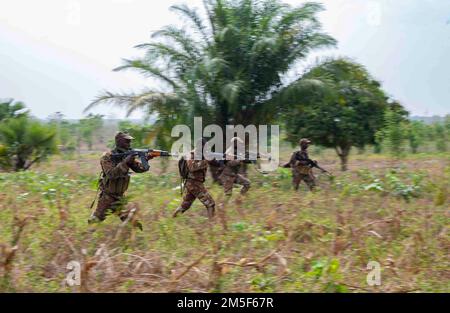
x: 148, y: 99
x: 305, y: 13
x: 193, y: 16
x: 179, y: 36
x: 147, y: 70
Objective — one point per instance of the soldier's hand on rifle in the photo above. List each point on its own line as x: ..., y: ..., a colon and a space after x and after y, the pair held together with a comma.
x: 149, y: 156
x: 130, y: 159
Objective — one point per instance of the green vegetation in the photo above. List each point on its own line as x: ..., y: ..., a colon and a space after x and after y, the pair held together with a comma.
x: 283, y: 242
x: 341, y: 107
x: 218, y: 68
x: 10, y: 109
x: 88, y: 127
x: 24, y: 142
x: 390, y: 206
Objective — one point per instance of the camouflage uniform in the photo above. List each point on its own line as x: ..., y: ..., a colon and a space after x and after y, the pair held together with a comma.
x: 195, y: 187
x: 114, y: 183
x: 215, y: 169
x: 300, y: 169
x: 231, y: 175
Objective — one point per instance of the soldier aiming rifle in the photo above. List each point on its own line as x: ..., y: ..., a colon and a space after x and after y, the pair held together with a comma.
x: 115, y: 178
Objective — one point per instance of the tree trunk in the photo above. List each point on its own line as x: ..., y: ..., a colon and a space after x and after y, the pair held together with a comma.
x: 19, y: 164
x: 343, y: 152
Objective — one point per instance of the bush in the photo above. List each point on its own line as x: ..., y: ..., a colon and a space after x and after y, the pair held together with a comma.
x: 24, y: 142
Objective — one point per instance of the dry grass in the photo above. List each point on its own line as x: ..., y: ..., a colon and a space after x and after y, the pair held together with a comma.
x: 277, y: 240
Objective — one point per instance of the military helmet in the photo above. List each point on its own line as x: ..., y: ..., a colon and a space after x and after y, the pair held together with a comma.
x: 123, y: 135
x: 304, y: 141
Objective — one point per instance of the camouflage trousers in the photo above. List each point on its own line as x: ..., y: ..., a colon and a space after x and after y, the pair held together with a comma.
x: 111, y: 204
x: 229, y: 180
x: 196, y: 190
x: 307, y: 178
x: 215, y: 173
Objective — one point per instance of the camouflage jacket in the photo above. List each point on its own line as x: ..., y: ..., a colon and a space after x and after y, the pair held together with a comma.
x: 115, y: 173
x: 232, y: 167
x: 301, y: 166
x: 197, y: 169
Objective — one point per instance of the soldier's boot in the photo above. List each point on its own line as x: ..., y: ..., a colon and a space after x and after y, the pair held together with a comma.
x: 129, y: 213
x: 178, y: 211
x: 136, y: 223
x: 93, y: 219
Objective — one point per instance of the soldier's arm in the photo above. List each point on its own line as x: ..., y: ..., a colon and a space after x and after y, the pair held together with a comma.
x: 233, y: 162
x: 137, y: 167
x: 112, y: 171
x: 215, y: 163
x: 294, y: 161
x: 197, y: 165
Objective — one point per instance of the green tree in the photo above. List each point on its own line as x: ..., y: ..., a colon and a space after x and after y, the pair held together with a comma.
x: 227, y: 67
x: 394, y: 132
x: 140, y: 133
x: 10, y: 109
x: 416, y: 135
x: 24, y: 142
x: 342, y: 107
x: 441, y: 137
x: 447, y: 123
x: 88, y: 127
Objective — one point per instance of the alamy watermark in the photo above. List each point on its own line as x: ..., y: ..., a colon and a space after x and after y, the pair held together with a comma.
x: 373, y: 278
x: 73, y: 277
x: 255, y: 140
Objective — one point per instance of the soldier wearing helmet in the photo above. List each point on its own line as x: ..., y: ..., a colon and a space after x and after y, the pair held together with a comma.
x: 301, y: 171
x: 231, y: 171
x: 114, y: 181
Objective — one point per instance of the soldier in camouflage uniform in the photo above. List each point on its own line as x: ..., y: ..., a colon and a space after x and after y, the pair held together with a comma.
x: 300, y: 169
x: 195, y: 188
x: 232, y: 171
x: 115, y: 180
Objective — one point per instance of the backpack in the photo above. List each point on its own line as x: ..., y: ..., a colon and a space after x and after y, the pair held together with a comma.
x: 183, y: 168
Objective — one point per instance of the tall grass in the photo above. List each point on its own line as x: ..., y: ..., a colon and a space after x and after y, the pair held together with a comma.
x: 277, y: 240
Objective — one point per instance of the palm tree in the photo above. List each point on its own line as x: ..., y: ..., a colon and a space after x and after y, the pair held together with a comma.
x: 226, y: 67
x: 10, y: 108
x: 24, y: 142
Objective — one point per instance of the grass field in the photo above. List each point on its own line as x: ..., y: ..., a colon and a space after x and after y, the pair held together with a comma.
x: 392, y: 212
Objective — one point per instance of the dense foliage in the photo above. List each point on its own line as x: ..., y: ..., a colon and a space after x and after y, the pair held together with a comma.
x: 226, y: 67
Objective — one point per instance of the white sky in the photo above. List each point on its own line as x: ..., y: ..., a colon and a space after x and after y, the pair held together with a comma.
x: 57, y: 55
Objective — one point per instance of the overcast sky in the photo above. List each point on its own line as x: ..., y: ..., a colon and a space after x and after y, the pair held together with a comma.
x: 57, y: 55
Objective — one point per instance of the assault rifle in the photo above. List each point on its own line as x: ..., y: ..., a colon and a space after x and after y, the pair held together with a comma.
x: 249, y: 157
x: 310, y: 163
x: 143, y: 155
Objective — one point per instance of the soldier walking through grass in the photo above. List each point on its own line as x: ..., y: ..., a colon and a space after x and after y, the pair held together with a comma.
x: 299, y: 163
x: 114, y: 182
x: 194, y: 188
